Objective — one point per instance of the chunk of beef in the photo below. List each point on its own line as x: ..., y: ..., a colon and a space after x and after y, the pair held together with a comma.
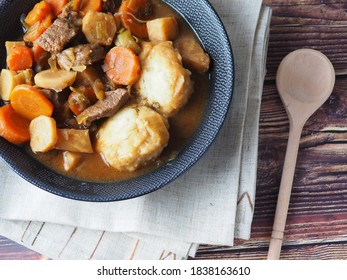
x: 80, y: 55
x: 68, y: 13
x: 111, y: 5
x: 61, y: 107
x: 106, y: 107
x: 57, y: 98
x: 57, y: 35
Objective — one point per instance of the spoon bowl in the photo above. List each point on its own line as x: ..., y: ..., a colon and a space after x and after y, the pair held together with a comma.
x: 305, y: 80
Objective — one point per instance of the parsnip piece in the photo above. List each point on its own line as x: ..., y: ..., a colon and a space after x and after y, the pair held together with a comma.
x: 55, y: 79
x: 7, y: 83
x: 99, y: 28
x: 162, y: 29
x: 71, y: 160
x: 74, y: 140
x: 43, y: 134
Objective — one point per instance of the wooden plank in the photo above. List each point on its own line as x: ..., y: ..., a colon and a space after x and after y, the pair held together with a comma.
x: 308, y: 24
x: 321, y: 156
x: 329, y: 251
x: 10, y: 250
x: 274, y: 3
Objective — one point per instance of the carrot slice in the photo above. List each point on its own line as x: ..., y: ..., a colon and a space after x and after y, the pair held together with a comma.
x: 35, y: 31
x: 139, y: 7
x: 29, y: 102
x: 38, y: 13
x: 130, y: 11
x: 90, y: 5
x: 75, y: 5
x: 57, y: 5
x: 19, y: 58
x: 13, y: 127
x: 122, y: 66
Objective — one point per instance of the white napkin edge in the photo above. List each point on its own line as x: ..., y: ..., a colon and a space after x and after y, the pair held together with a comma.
x: 33, y: 235
x: 248, y: 176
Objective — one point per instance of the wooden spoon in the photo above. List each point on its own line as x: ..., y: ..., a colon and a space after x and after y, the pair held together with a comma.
x: 305, y: 80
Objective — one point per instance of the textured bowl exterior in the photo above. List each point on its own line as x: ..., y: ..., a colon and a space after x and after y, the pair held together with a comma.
x: 204, y: 20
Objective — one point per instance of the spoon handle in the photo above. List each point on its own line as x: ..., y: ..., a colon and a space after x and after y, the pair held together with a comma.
x: 284, y: 192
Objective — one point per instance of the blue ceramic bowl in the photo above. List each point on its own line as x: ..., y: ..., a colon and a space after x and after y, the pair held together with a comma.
x: 203, y: 19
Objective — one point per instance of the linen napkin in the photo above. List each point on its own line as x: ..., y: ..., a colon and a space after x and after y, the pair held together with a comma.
x: 213, y: 208
x: 245, y: 204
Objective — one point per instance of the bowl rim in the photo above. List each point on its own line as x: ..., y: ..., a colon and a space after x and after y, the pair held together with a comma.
x: 49, y: 180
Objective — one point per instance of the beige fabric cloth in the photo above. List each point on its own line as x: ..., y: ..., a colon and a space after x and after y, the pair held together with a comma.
x: 170, y: 223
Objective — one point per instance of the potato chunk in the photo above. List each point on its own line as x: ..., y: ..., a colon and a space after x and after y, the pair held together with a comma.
x: 132, y: 137
x: 164, y: 83
x: 74, y: 140
x: 99, y: 28
x: 71, y: 160
x: 193, y: 55
x: 43, y: 134
x: 162, y: 29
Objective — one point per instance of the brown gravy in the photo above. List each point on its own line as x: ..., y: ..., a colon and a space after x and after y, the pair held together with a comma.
x: 182, y: 126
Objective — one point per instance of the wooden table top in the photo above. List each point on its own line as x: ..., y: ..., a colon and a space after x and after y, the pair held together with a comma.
x: 317, y: 219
